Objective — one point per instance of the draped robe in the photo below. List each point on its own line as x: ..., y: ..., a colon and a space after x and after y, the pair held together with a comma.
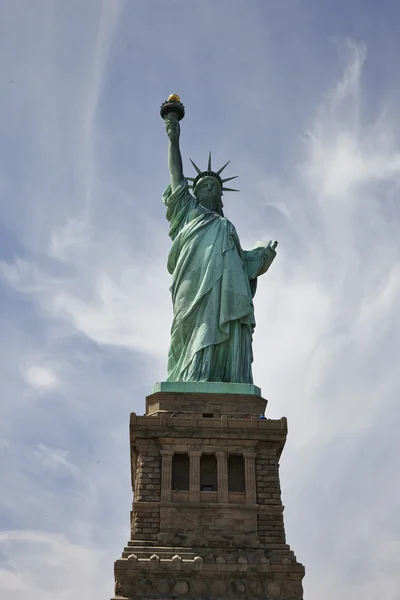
x: 213, y: 284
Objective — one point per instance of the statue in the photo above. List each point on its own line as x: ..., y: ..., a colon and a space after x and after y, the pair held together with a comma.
x: 213, y: 279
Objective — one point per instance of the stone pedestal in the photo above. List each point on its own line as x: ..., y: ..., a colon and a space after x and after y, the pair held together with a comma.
x: 207, y: 516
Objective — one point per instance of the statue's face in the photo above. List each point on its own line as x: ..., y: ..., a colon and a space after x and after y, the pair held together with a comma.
x: 208, y: 193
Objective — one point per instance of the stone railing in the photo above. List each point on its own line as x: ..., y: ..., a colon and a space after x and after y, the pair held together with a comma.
x: 165, y: 420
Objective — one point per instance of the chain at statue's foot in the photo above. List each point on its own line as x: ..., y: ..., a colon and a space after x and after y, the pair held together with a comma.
x: 207, y: 516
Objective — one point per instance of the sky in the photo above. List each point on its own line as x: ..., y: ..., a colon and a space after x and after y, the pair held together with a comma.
x: 302, y: 97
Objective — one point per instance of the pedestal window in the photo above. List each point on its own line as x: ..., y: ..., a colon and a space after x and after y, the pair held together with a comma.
x: 208, y: 473
x: 180, y: 472
x: 236, y: 473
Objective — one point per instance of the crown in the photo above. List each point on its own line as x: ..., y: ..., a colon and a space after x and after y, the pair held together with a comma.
x: 211, y: 173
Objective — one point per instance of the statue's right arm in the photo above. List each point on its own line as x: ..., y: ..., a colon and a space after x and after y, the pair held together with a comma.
x: 174, y: 152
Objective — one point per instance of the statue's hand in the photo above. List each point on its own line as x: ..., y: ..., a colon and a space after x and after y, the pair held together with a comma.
x: 173, y: 127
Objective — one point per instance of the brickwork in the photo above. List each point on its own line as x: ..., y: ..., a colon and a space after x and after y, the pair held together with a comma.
x: 267, y: 479
x: 148, y: 479
x: 271, y: 528
x: 146, y: 524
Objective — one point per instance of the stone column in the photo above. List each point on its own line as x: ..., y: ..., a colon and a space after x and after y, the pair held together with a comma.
x: 222, y: 458
x: 166, y: 475
x: 250, y: 473
x: 194, y: 481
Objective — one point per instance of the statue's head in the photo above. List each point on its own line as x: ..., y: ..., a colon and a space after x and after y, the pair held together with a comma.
x: 208, y: 186
x: 208, y: 192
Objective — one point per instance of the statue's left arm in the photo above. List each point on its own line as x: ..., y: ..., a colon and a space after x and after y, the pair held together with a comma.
x: 259, y: 259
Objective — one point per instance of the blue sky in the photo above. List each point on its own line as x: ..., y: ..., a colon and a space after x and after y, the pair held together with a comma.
x: 303, y: 98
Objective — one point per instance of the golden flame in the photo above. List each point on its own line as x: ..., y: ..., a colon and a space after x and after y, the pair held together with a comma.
x: 174, y: 98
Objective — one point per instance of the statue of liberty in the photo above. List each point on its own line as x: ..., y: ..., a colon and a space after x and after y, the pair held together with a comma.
x: 213, y: 279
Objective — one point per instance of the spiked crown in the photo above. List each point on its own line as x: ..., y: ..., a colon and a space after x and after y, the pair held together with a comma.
x: 210, y: 173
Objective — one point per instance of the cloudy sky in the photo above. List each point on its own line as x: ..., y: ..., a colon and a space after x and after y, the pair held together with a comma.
x: 303, y: 97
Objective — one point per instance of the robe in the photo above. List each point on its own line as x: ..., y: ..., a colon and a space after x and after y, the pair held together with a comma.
x: 213, y: 284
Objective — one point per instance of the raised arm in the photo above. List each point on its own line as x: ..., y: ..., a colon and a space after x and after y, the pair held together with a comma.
x: 174, y: 152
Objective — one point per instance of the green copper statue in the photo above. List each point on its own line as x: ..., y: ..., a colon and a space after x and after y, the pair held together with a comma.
x: 213, y: 279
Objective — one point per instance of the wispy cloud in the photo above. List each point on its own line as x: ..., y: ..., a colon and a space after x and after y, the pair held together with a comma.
x: 332, y: 365
x: 40, y: 377
x: 43, y: 565
x: 109, y: 283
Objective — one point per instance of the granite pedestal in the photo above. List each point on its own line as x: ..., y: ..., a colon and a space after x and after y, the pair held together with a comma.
x: 207, y: 517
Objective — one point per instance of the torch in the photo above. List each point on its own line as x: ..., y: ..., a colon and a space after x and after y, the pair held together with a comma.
x: 172, y: 105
